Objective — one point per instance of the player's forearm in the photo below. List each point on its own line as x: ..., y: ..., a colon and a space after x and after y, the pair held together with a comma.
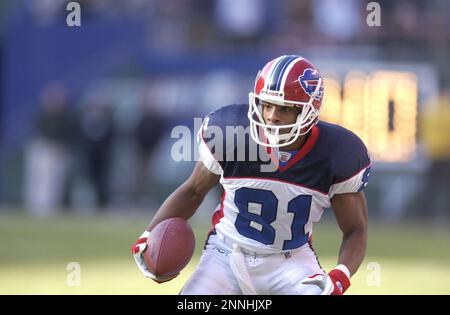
x: 183, y: 203
x: 353, y: 249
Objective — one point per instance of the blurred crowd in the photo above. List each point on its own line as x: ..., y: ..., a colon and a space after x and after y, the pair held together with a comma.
x: 435, y: 136
x: 410, y: 29
x: 71, y: 149
x: 74, y: 145
x: 218, y: 23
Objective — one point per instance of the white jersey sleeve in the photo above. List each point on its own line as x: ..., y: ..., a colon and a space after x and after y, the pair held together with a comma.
x: 355, y: 183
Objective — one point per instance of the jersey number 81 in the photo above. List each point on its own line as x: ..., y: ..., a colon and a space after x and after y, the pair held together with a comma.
x: 263, y: 231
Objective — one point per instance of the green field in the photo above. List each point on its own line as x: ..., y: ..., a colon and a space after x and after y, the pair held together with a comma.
x: 35, y: 253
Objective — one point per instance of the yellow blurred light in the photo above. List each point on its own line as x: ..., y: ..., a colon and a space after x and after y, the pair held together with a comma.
x: 331, y: 110
x: 365, y: 109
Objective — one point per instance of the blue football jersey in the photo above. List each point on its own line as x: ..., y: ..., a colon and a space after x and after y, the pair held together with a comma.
x: 267, y: 206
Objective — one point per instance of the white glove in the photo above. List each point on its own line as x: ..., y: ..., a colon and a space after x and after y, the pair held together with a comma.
x: 137, y: 250
x: 336, y: 282
x: 322, y: 281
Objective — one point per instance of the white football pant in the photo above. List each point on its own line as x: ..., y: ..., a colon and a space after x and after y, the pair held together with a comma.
x: 225, y: 269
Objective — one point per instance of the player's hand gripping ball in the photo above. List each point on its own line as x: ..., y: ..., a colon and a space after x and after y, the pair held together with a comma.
x: 170, y: 247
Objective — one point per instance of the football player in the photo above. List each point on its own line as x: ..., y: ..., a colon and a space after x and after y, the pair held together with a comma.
x: 261, y: 236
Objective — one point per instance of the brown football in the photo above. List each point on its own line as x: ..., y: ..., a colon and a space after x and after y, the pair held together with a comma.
x: 170, y: 247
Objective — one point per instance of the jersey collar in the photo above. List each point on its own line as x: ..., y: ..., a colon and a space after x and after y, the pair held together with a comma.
x: 304, y: 150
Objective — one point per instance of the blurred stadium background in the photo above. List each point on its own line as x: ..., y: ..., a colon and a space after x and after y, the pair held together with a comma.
x: 87, y: 113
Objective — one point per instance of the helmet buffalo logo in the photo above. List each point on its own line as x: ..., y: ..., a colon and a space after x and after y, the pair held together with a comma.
x: 309, y: 80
